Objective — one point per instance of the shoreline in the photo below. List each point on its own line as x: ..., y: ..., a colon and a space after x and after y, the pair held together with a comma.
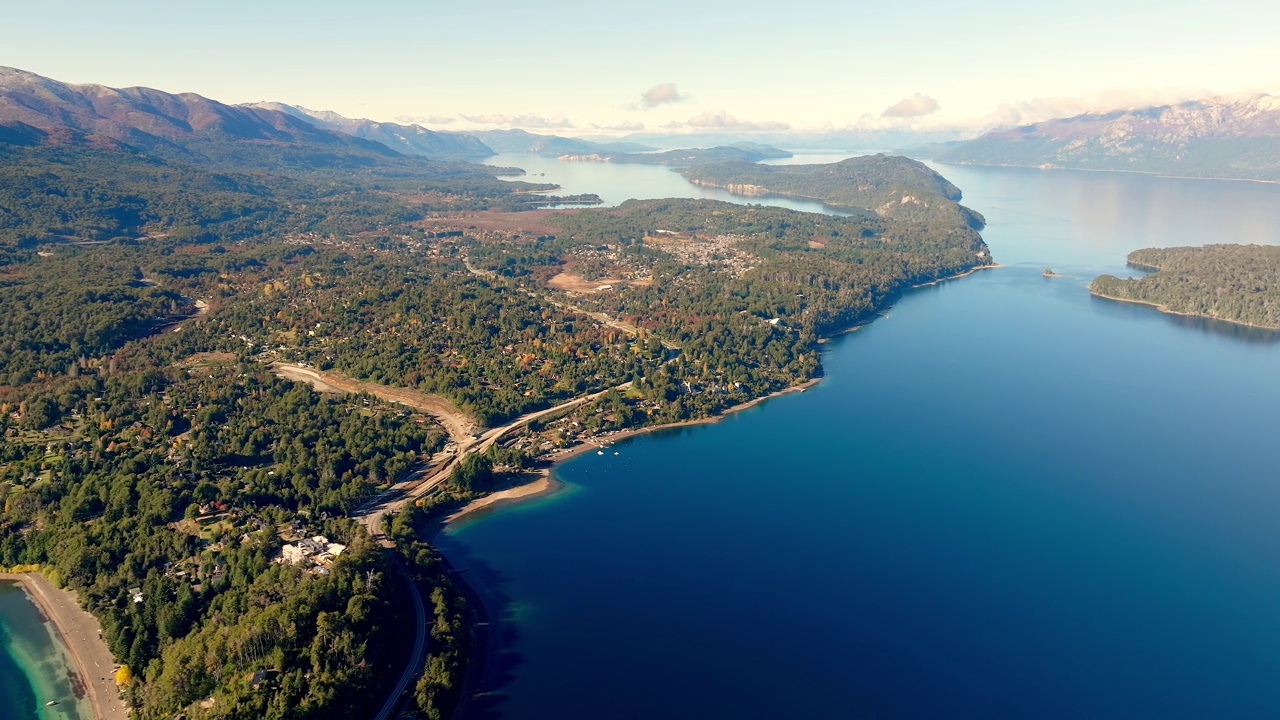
x: 81, y: 635
x: 1165, y: 309
x: 1148, y: 173
x: 883, y: 313
x: 966, y: 273
x: 542, y: 484
x: 546, y: 483
x: 487, y: 608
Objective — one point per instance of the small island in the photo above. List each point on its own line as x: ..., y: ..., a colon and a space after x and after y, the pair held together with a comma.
x: 1234, y: 283
x: 1049, y: 273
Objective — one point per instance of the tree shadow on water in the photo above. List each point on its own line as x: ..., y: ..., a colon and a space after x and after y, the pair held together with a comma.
x: 493, y: 660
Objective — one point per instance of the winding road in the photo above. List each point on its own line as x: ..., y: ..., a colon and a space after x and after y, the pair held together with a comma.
x: 425, y: 481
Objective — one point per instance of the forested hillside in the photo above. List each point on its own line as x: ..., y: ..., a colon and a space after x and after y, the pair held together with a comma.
x: 154, y: 462
x: 887, y: 185
x: 1237, y: 283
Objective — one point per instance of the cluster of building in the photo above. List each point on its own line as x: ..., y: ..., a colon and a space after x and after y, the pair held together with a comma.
x: 316, y: 551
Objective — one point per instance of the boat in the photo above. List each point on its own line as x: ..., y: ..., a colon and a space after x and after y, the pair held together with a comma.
x: 51, y: 703
x: 599, y: 452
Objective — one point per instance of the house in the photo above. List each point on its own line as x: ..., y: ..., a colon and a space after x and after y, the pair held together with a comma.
x: 314, y: 545
x: 135, y: 594
x: 256, y: 678
x: 317, y: 549
x: 292, y: 554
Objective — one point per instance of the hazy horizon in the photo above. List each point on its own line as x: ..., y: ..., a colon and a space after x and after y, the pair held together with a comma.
x: 575, y: 69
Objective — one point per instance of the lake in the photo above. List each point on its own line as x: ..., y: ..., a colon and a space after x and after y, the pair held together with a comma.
x: 33, y: 663
x: 1007, y: 499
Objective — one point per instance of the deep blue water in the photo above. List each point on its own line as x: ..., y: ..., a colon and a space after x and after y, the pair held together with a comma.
x: 1006, y: 500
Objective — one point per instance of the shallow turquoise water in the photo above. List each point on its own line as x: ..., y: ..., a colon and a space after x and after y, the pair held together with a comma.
x: 33, y: 664
x: 1006, y: 500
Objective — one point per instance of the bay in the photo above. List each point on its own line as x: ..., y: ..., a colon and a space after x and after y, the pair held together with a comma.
x: 618, y: 182
x: 1007, y: 499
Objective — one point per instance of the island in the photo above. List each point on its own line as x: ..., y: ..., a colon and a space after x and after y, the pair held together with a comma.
x: 1233, y: 283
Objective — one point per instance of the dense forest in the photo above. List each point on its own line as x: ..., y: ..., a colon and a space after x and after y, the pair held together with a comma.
x: 61, y: 193
x: 1236, y: 283
x: 154, y: 462
x: 736, y: 297
x: 888, y: 185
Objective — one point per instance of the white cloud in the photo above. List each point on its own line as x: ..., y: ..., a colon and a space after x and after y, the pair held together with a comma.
x: 1034, y: 110
x: 426, y: 119
x: 620, y: 127
x: 527, y: 121
x: 721, y: 120
x: 661, y: 94
x: 915, y: 106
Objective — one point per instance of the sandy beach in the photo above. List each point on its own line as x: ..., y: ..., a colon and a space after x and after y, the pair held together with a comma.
x: 542, y: 484
x: 545, y: 482
x: 82, y: 635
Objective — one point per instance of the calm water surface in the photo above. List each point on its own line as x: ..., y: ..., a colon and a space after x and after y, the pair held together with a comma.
x: 615, y: 183
x: 1006, y: 500
x: 33, y: 664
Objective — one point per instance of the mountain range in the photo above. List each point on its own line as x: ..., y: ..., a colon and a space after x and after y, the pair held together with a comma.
x: 181, y: 126
x: 748, y: 152
x: 1237, y: 138
x: 407, y: 139
x: 523, y: 142
x: 193, y: 128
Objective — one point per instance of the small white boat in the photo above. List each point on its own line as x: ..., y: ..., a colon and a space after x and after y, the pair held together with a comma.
x: 615, y: 453
x: 599, y: 452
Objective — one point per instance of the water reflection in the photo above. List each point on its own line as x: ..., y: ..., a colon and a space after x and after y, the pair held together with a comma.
x: 618, y: 182
x: 1207, y: 326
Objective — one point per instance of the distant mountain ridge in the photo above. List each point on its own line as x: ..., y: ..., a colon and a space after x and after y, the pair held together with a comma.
x: 185, y: 126
x: 407, y: 139
x: 1236, y: 138
x: 746, y: 152
x: 521, y: 141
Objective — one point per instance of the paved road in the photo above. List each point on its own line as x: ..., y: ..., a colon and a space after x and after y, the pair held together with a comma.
x: 419, y: 484
x: 428, y: 479
x: 416, y: 657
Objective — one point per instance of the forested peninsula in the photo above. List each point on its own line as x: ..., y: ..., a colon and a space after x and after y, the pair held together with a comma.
x: 745, y: 152
x: 1235, y: 283
x: 161, y: 256
x: 888, y: 185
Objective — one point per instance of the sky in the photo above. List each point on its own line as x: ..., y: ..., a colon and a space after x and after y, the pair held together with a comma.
x: 579, y: 68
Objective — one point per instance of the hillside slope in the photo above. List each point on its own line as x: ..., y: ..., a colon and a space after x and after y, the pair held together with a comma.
x: 887, y: 185
x: 407, y: 139
x: 1215, y: 138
